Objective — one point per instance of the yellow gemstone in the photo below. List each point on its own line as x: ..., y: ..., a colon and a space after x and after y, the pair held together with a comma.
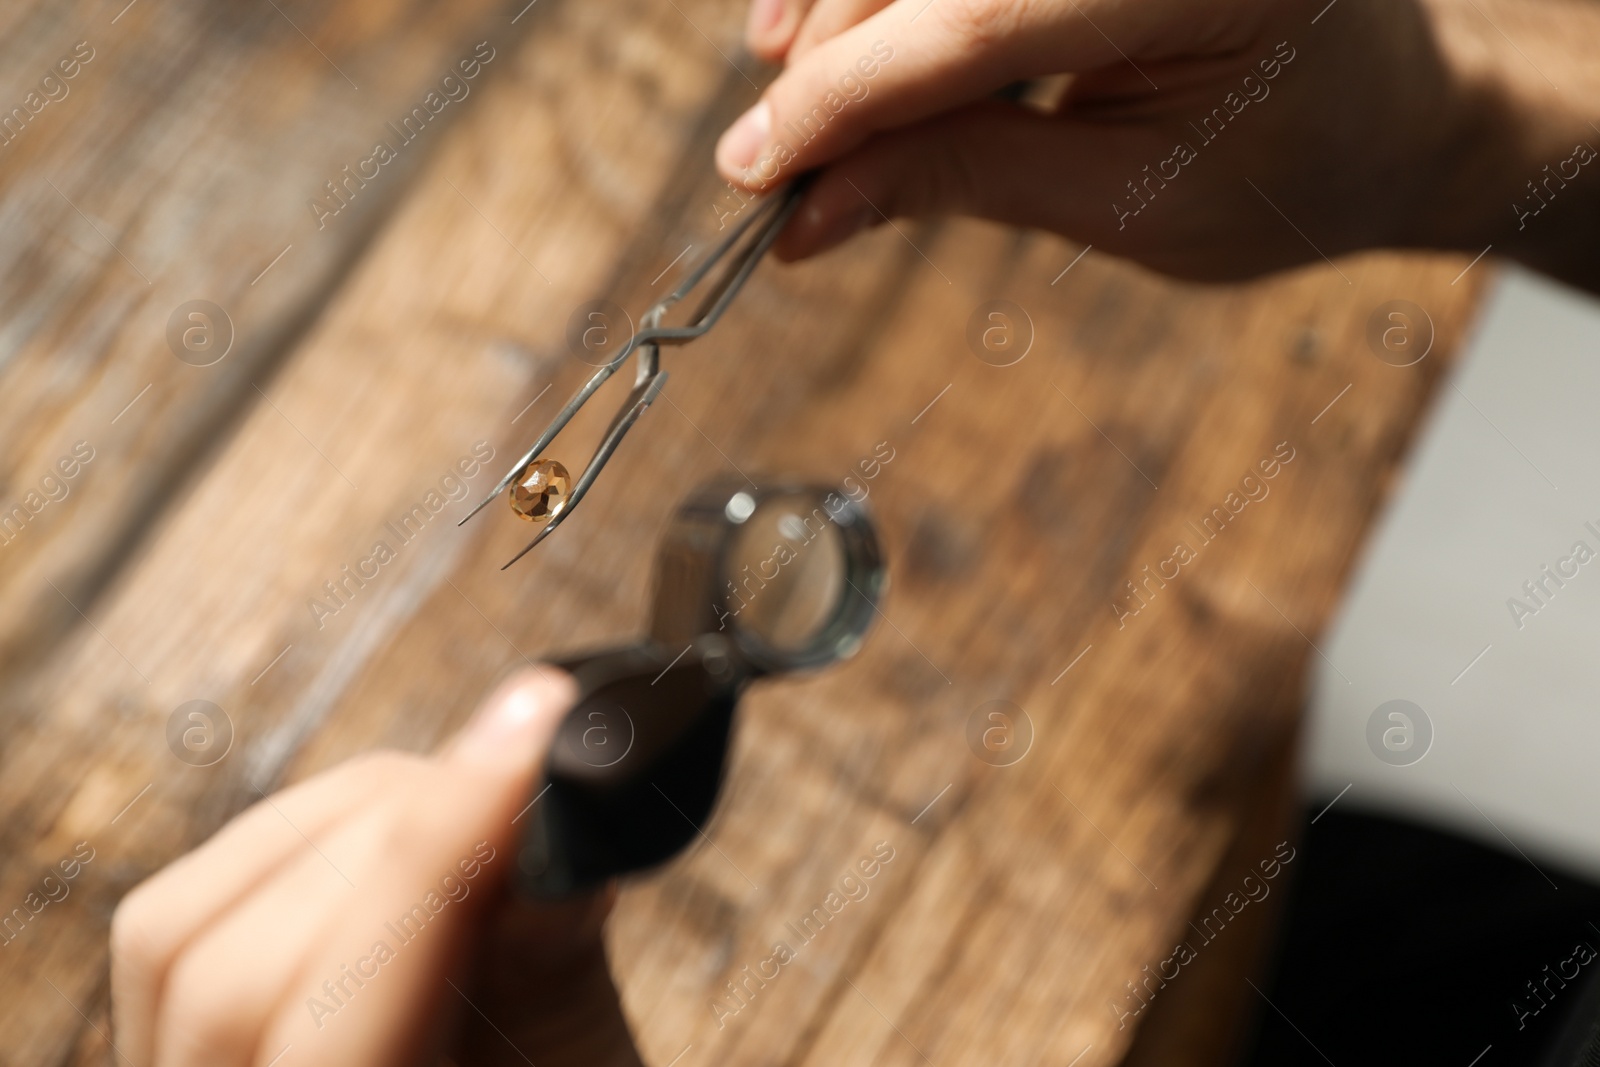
x: 540, y: 490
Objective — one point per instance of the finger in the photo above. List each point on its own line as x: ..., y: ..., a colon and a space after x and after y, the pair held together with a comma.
x: 770, y: 26
x: 506, y: 736
x: 911, y: 60
x: 828, y: 19
x: 224, y: 987
x: 991, y: 160
x: 375, y: 981
x: 154, y: 924
x: 159, y: 917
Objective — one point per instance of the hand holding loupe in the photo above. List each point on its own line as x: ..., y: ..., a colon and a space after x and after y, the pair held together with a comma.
x: 749, y: 582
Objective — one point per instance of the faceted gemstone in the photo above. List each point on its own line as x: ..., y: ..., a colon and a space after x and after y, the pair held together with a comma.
x: 540, y: 490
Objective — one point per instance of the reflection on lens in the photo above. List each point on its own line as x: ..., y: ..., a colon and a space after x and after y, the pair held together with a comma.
x: 785, y: 571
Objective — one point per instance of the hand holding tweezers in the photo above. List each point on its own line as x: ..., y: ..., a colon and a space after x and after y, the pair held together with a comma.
x: 741, y: 255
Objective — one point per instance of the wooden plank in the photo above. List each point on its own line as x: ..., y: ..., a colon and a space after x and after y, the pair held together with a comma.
x: 1019, y: 899
x: 178, y: 163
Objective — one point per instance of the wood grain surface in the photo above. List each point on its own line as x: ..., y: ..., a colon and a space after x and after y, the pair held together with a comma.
x: 177, y: 165
x: 1020, y: 899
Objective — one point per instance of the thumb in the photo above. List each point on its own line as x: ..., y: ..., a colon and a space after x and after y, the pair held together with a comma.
x: 505, y: 742
x: 993, y: 160
x: 433, y: 875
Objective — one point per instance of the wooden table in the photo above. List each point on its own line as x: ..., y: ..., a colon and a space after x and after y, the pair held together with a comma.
x: 372, y: 348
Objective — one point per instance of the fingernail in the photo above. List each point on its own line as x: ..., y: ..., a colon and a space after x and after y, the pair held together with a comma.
x: 742, y: 142
x: 764, y: 15
x: 517, y: 716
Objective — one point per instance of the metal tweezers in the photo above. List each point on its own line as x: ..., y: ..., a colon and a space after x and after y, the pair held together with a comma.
x: 762, y: 227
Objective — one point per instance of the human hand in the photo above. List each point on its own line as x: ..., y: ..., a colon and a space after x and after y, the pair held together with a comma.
x: 1280, y: 132
x: 268, y: 936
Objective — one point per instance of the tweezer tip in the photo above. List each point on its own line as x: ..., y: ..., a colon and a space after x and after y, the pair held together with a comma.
x: 485, y: 502
x: 555, y: 520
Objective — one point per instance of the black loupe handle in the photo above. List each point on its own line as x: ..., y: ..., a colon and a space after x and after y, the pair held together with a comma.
x: 635, y: 767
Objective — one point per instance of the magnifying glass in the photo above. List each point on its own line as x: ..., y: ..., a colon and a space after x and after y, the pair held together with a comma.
x: 749, y: 583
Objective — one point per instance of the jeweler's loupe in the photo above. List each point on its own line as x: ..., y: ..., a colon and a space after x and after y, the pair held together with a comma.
x: 749, y: 583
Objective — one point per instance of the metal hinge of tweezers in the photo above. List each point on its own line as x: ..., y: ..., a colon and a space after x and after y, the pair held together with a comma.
x: 741, y: 250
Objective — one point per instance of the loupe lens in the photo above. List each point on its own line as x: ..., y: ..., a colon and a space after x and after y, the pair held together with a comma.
x: 790, y: 573
x: 801, y: 574
x: 783, y: 573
